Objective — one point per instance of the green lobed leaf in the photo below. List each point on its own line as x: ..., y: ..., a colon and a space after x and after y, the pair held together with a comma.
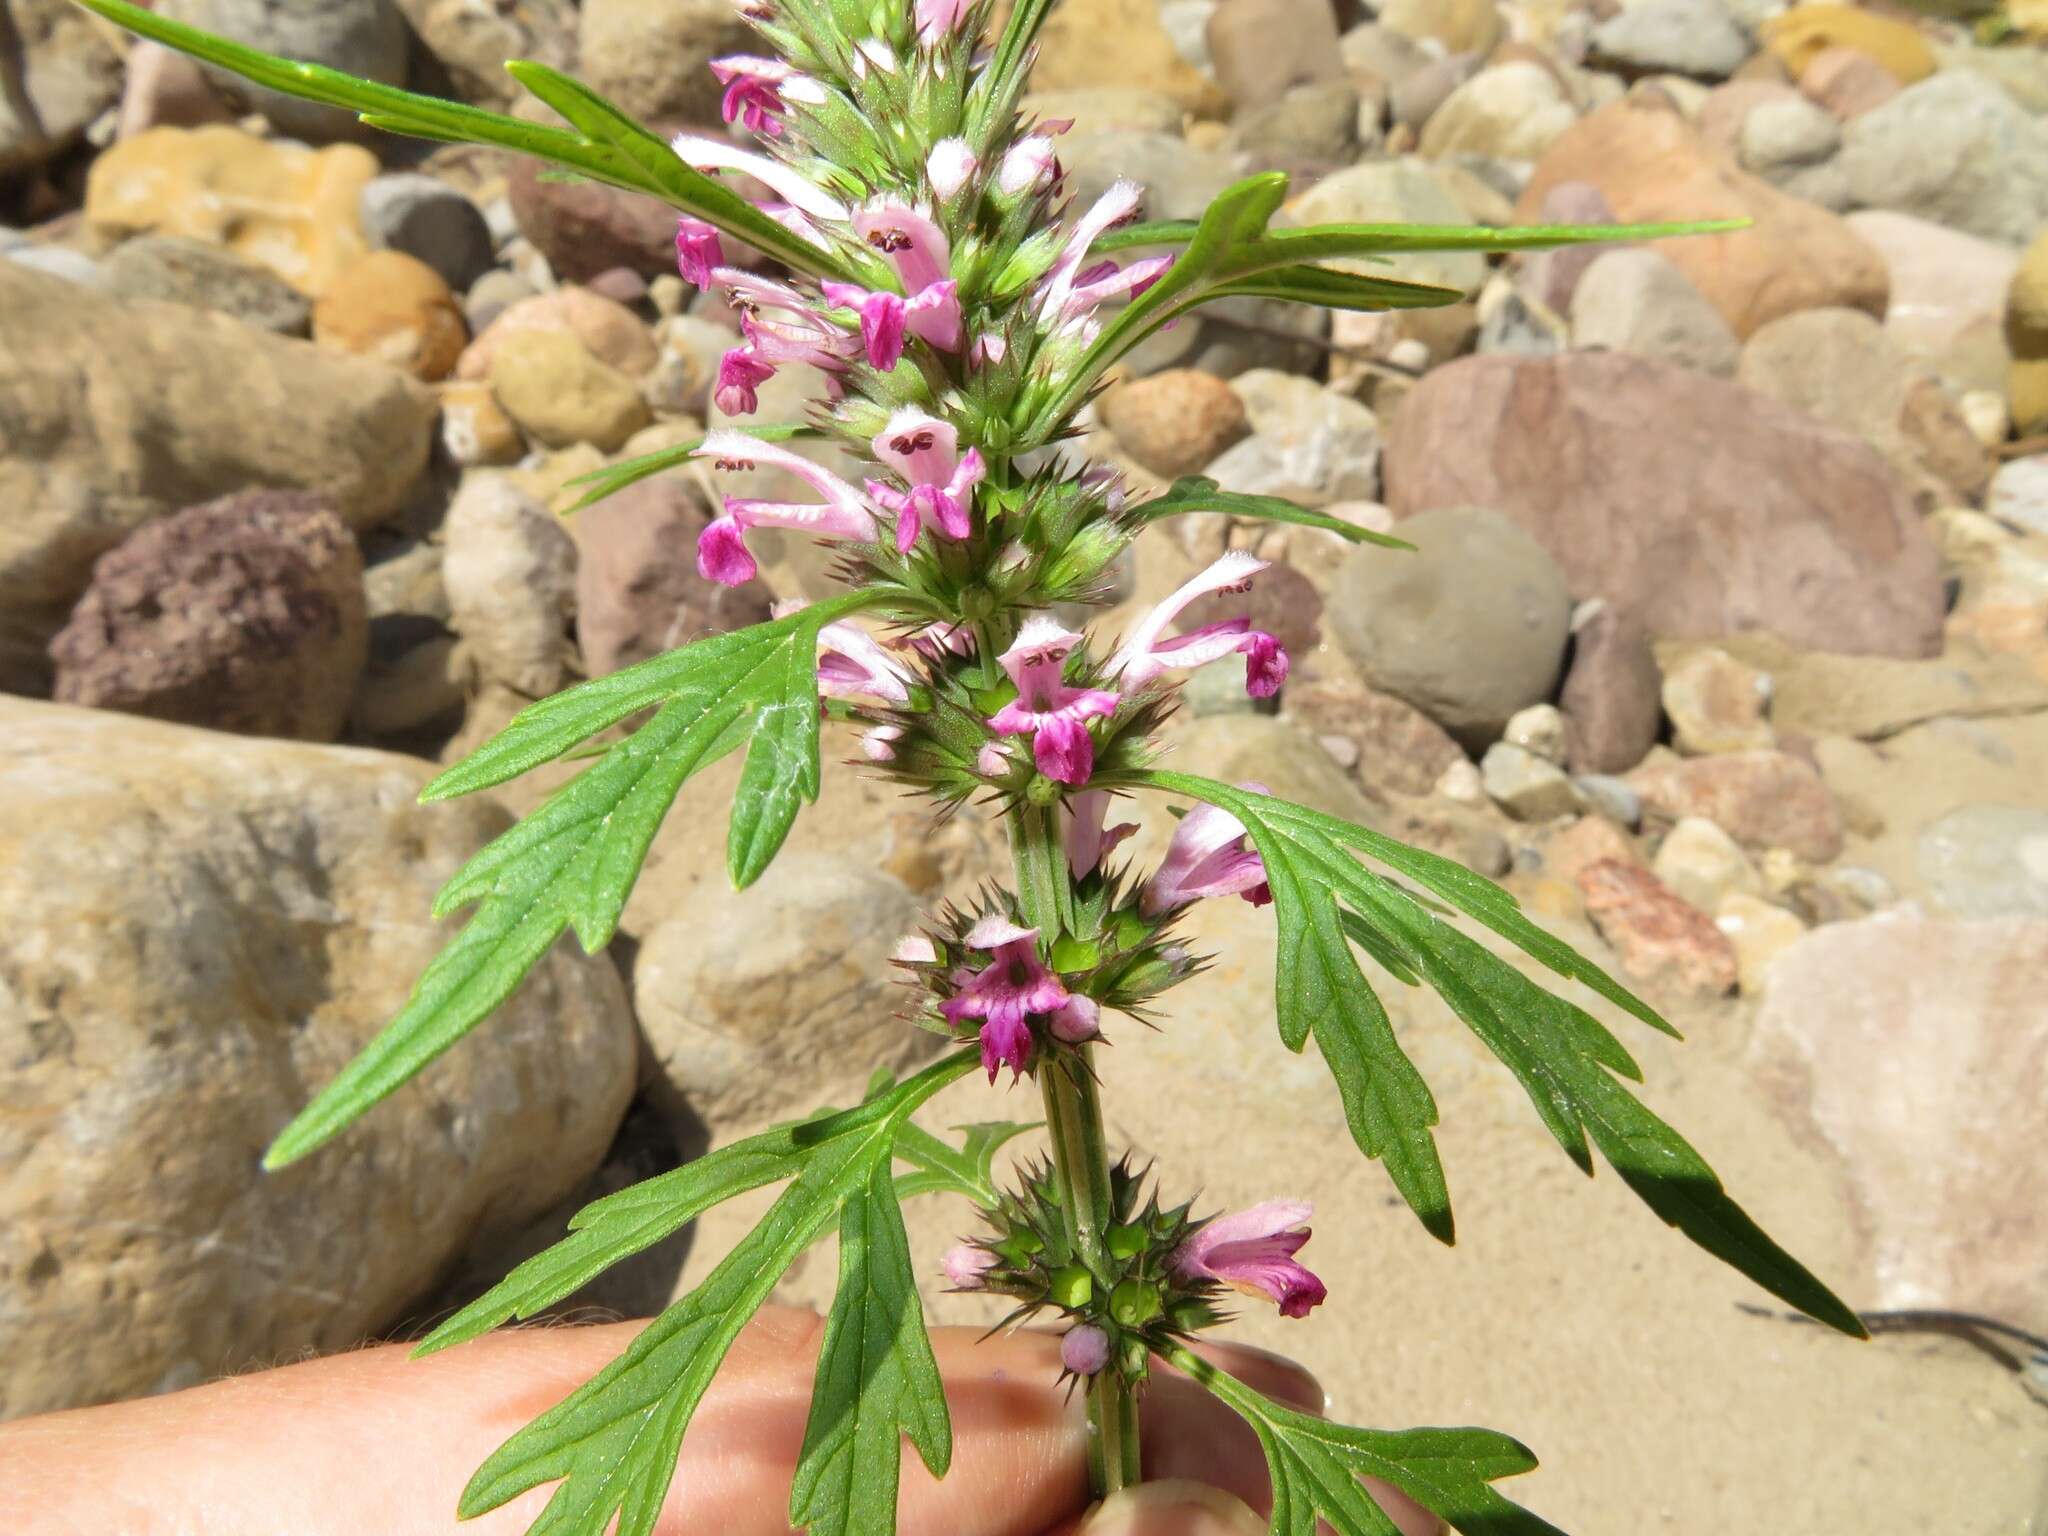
x: 877, y: 1380
x: 1316, y: 1466
x: 1197, y: 493
x: 1565, y: 1059
x: 968, y: 1169
x: 610, y: 146
x: 614, y: 478
x: 574, y: 861
x: 612, y: 1444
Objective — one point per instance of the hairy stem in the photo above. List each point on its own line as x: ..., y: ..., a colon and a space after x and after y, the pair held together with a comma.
x: 1080, y: 1153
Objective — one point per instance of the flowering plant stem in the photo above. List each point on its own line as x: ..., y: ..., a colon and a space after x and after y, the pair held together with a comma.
x: 961, y: 309
x: 1079, y: 1153
x: 1080, y: 1164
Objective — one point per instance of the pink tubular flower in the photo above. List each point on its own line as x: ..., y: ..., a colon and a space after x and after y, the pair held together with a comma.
x: 741, y: 373
x: 1084, y: 1349
x: 938, y: 20
x: 928, y: 307
x: 1114, y: 207
x: 1253, y: 1251
x: 925, y: 451
x: 1097, y: 285
x: 1088, y: 844
x: 1210, y: 855
x: 1052, y: 714
x: 879, y: 745
x: 722, y: 553
x: 753, y: 90
x: 853, y: 664
x: 698, y: 251
x: 967, y: 1266
x: 1004, y: 994
x: 1149, y: 652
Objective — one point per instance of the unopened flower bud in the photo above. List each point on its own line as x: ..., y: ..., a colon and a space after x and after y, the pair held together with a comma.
x: 967, y: 1266
x: 1027, y: 167
x: 1085, y: 1349
x: 1078, y: 1019
x: 949, y: 166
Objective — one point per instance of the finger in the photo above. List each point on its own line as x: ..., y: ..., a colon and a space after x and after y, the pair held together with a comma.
x: 1168, y: 1509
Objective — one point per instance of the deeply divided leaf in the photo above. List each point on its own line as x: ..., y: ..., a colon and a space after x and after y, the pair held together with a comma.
x: 938, y: 1167
x: 1566, y: 1060
x: 612, y: 1444
x: 573, y: 862
x: 877, y: 1379
x: 1316, y: 1466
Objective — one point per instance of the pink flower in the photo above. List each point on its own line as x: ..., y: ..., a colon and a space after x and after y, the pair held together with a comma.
x: 1012, y: 987
x: 1210, y: 855
x: 967, y: 1266
x: 741, y: 373
x: 1149, y: 653
x: 753, y: 90
x: 1116, y: 206
x: 1253, y: 1251
x: 938, y: 20
x: 1099, y: 284
x: 879, y: 745
x: 1084, y: 1349
x: 698, y: 251
x: 1052, y: 714
x: 1088, y: 844
x: 722, y: 553
x: 852, y: 663
x: 928, y: 307
x: 925, y: 451
x: 780, y: 324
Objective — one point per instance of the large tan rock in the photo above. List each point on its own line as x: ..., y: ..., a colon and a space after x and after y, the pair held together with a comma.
x: 1842, y: 367
x: 112, y: 414
x: 293, y: 209
x: 653, y: 57
x: 1653, y: 166
x: 396, y: 309
x: 1693, y: 505
x: 748, y: 999
x: 201, y: 931
x: 1917, y: 1048
x: 1089, y: 43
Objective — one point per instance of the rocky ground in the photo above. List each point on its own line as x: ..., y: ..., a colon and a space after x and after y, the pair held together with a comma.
x: 1725, y: 647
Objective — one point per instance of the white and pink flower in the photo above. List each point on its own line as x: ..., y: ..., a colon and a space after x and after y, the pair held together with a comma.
x: 925, y: 451
x: 1005, y: 993
x: 1210, y: 855
x: 1150, y: 652
x: 1253, y: 1251
x: 1054, y: 715
x: 722, y: 553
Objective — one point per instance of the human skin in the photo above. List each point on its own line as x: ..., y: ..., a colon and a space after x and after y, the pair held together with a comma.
x: 373, y: 1442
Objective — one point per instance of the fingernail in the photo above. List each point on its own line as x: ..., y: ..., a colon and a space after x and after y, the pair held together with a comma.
x: 1173, y: 1509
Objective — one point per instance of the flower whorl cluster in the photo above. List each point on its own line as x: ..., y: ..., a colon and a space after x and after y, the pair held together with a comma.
x: 1165, y: 1275
x: 968, y: 293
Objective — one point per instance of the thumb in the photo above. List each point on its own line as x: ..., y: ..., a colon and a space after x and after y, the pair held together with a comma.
x: 1171, y: 1508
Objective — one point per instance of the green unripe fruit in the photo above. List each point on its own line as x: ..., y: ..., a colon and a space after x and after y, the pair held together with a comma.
x: 1072, y: 1287
x: 1134, y: 1303
x: 1128, y: 1242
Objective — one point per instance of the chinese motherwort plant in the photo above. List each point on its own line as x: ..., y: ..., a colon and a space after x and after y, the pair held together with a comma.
x: 896, y: 226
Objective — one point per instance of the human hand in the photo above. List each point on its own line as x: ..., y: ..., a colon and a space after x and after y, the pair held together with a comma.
x: 375, y: 1442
